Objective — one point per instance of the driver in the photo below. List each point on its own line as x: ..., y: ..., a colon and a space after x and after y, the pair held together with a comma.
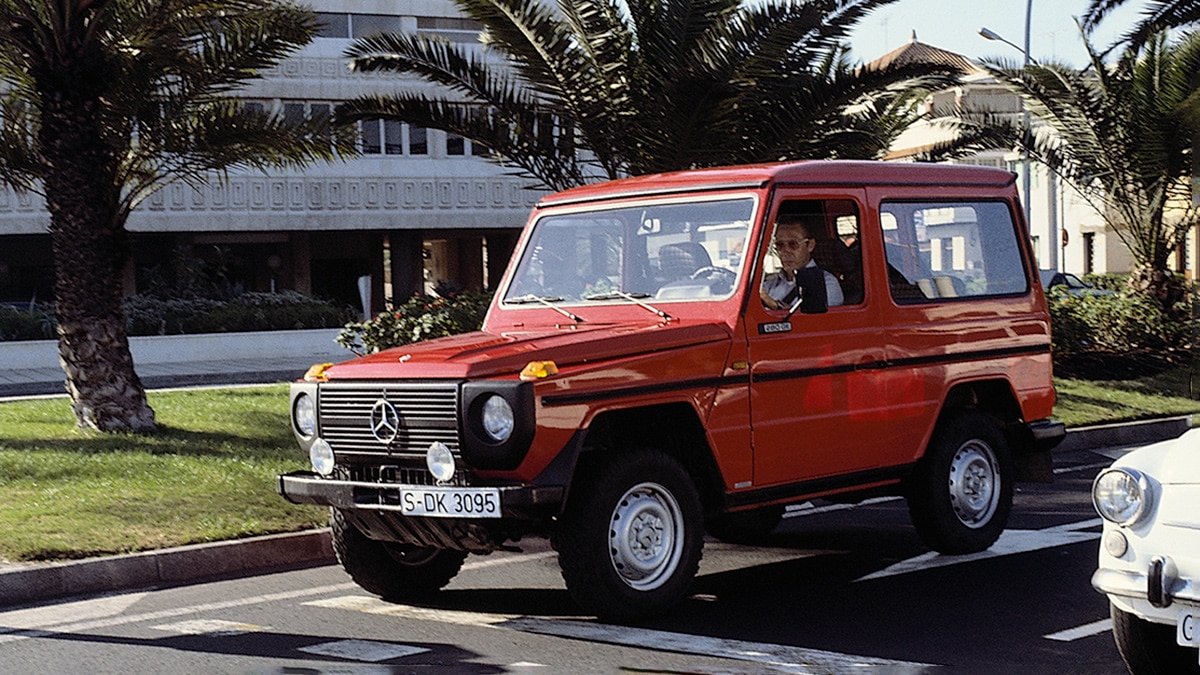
x: 794, y: 245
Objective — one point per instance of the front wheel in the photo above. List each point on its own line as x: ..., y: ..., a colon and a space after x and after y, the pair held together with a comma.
x: 961, y: 493
x: 395, y: 572
x: 631, y: 536
x: 1150, y: 648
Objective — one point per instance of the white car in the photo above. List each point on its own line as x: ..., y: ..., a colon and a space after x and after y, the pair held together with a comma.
x: 1150, y: 554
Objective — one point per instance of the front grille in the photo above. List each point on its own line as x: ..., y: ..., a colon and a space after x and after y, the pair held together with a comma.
x: 428, y: 414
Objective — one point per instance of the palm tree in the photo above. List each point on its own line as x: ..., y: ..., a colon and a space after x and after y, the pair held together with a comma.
x: 104, y: 102
x: 606, y: 88
x: 1121, y: 135
x: 1159, y: 15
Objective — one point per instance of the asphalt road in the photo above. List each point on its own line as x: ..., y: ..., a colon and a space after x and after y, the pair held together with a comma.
x: 834, y: 590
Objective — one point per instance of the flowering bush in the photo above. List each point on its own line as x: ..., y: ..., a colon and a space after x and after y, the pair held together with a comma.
x: 421, y: 317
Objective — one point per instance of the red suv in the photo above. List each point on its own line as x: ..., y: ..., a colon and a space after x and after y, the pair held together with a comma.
x: 690, y: 352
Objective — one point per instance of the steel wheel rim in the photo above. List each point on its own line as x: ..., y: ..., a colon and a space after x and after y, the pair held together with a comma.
x: 974, y: 484
x: 645, y: 536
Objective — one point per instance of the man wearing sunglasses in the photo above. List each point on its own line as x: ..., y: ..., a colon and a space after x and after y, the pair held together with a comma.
x: 799, y: 277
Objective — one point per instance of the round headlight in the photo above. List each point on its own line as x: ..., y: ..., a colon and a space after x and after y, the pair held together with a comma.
x: 321, y: 456
x: 440, y: 461
x: 498, y: 418
x: 1120, y: 495
x: 304, y: 415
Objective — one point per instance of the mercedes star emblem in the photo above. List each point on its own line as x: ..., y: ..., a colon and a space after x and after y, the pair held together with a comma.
x: 385, y: 421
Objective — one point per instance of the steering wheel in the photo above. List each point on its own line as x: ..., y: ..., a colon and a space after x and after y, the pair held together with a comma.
x: 720, y: 279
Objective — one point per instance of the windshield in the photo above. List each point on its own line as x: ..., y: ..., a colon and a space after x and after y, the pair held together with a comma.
x: 665, y: 251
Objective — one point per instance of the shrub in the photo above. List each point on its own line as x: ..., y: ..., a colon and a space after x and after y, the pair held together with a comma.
x: 23, y: 324
x: 288, y: 310
x: 1117, y: 323
x: 421, y: 317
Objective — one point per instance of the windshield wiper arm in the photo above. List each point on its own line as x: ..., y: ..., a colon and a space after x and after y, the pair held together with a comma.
x: 547, y: 301
x: 635, y: 298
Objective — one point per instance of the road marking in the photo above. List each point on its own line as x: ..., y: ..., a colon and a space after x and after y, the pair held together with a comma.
x: 1010, y: 542
x: 363, y: 650
x: 808, y: 509
x: 7, y: 636
x: 782, y: 657
x: 210, y: 627
x: 507, y: 559
x: 1086, y: 630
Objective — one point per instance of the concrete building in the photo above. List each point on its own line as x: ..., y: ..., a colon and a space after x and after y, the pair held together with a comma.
x: 417, y: 208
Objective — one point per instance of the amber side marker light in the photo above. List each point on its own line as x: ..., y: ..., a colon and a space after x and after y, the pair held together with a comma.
x: 537, y: 370
x: 316, y: 372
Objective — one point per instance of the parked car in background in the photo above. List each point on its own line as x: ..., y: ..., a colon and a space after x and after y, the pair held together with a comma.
x: 1150, y: 554
x: 1052, y: 280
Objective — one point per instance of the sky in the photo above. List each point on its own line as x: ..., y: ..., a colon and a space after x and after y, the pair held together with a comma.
x: 954, y: 25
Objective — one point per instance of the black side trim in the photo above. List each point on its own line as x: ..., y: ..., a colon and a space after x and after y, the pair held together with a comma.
x: 817, y: 486
x: 681, y: 385
x: 621, y: 392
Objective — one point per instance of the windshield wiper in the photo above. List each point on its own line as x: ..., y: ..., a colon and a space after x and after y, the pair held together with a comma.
x: 635, y: 298
x: 547, y: 301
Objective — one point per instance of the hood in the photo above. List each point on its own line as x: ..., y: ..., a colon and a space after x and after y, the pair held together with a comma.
x: 1176, y: 461
x: 480, y: 354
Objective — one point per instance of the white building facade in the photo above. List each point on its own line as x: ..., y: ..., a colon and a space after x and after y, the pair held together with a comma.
x: 418, y: 207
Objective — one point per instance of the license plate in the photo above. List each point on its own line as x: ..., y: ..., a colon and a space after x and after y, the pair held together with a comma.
x: 1187, y: 630
x: 450, y: 502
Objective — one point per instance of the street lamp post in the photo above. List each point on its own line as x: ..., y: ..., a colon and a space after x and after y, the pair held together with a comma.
x: 1026, y: 164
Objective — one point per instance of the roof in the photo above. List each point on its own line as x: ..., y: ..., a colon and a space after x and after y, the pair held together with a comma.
x: 758, y: 176
x: 919, y: 52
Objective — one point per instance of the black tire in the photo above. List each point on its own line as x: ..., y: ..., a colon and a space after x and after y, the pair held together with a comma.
x: 745, y: 527
x: 961, y: 493
x: 631, y: 535
x: 395, y: 572
x: 1150, y: 648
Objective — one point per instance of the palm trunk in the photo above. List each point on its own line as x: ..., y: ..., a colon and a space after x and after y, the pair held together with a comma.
x: 87, y: 232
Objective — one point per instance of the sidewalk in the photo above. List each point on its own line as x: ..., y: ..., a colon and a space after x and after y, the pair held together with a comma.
x: 26, y: 583
x: 32, y: 369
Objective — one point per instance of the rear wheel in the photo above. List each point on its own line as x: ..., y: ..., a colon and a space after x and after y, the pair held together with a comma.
x: 630, y: 538
x: 395, y: 572
x: 961, y: 493
x: 1150, y: 648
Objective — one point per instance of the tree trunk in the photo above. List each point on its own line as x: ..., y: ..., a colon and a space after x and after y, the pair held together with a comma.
x: 88, y: 235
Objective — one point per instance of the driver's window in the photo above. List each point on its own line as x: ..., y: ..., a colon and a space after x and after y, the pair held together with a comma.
x: 815, y: 257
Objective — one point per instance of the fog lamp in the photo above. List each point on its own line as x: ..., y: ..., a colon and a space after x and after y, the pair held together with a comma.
x: 321, y: 456
x: 440, y: 461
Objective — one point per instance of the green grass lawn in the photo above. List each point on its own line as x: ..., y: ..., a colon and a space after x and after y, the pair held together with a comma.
x: 208, y: 473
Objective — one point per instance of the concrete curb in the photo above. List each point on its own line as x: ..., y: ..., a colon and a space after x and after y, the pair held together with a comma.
x: 1126, y: 433
x: 24, y: 584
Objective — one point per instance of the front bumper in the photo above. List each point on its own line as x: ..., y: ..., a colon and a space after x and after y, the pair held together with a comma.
x: 1156, y: 593
x: 521, y: 502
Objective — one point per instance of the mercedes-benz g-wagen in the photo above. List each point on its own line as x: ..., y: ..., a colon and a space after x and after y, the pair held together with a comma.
x: 689, y: 352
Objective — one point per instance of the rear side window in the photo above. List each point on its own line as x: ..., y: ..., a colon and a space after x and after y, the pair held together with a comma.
x: 945, y: 250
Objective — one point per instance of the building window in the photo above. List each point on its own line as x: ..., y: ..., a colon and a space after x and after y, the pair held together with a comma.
x: 333, y: 25
x: 418, y: 142
x: 448, y: 28
x: 455, y: 145
x: 393, y: 137
x: 364, y: 25
x: 1089, y: 252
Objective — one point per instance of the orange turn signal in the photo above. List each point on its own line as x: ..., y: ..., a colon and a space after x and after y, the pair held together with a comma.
x: 537, y: 370
x: 316, y: 372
